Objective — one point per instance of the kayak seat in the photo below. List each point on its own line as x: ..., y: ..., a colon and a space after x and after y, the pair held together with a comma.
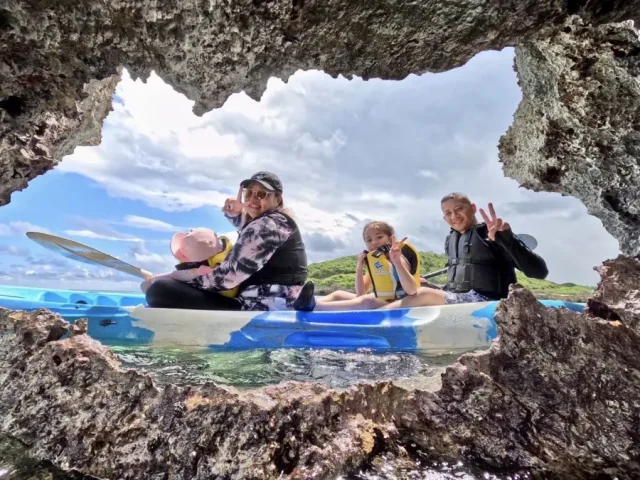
x: 51, y: 297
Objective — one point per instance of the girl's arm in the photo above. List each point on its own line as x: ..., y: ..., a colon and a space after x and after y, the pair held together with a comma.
x: 363, y: 282
x: 403, y: 266
x: 406, y: 279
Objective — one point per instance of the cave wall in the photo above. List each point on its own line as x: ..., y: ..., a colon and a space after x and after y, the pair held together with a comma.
x: 59, y: 63
x: 576, y: 132
x: 577, y: 128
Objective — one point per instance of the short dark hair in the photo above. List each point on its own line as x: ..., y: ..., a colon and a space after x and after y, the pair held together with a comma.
x: 455, y: 196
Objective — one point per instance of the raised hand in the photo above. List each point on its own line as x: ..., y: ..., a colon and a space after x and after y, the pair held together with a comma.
x: 395, y: 252
x: 494, y: 223
x: 361, y: 257
x: 234, y: 206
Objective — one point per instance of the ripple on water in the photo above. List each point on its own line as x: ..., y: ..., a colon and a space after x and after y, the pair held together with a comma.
x: 256, y: 368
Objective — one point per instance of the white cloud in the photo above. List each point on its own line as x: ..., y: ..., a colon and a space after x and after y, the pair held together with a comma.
x: 149, y: 224
x: 151, y: 261
x: 347, y: 151
x: 430, y: 174
x: 98, y: 228
x: 13, y: 250
x: 69, y: 275
x: 100, y: 236
x: 20, y: 228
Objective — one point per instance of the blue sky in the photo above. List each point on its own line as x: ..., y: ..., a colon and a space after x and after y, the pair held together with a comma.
x: 346, y: 150
x: 73, y: 206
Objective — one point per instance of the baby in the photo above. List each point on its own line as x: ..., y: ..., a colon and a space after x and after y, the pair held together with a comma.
x: 199, y: 251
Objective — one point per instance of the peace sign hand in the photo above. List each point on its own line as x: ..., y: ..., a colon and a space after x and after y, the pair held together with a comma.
x: 234, y: 206
x: 494, y: 223
x: 395, y: 252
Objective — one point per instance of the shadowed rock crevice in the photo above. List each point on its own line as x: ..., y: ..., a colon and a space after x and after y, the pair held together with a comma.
x: 618, y: 294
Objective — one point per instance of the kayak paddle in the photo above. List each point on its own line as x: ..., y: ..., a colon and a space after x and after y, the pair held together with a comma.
x: 85, y: 254
x: 529, y: 240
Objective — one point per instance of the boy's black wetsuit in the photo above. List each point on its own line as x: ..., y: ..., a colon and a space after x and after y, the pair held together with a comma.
x: 488, y: 267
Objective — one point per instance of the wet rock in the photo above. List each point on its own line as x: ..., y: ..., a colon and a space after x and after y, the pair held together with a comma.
x: 15, y: 464
x: 555, y: 396
x: 577, y: 128
x: 617, y: 296
x: 71, y: 402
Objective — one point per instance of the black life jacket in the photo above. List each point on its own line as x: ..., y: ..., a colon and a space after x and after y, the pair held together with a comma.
x: 476, y: 264
x: 287, y: 265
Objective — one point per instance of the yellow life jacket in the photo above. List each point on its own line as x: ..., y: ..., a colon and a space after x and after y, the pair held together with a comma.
x: 218, y: 259
x: 384, y: 278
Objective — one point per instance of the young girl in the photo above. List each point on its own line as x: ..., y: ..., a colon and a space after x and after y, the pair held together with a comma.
x: 392, y: 271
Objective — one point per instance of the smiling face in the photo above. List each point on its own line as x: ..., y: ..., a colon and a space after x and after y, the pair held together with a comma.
x: 258, y: 200
x: 459, y: 213
x: 374, y: 238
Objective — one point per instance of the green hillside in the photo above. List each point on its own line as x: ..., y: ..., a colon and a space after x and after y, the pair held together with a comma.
x: 340, y: 274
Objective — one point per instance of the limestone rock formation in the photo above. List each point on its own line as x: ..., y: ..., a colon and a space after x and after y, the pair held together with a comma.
x: 617, y: 297
x: 577, y: 129
x: 58, y: 60
x: 556, y: 395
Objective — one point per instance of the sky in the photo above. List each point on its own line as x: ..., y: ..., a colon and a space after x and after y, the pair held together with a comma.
x: 347, y: 151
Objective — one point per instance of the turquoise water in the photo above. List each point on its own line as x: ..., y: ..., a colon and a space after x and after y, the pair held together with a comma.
x: 257, y: 368
x: 253, y: 369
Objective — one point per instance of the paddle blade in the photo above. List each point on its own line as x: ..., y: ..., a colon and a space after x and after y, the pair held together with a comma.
x: 83, y: 253
x: 528, y: 240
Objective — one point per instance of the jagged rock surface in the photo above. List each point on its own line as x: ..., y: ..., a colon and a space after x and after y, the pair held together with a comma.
x: 51, y: 51
x: 557, y: 395
x: 71, y: 401
x: 577, y: 129
x: 618, y: 294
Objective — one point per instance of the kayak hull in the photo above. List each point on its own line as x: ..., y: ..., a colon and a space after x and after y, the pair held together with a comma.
x: 122, y: 318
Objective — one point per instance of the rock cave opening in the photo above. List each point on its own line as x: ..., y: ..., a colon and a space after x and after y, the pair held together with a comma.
x: 554, y: 397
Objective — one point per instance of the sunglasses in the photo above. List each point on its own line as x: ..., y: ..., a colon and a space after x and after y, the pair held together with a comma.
x: 259, y: 194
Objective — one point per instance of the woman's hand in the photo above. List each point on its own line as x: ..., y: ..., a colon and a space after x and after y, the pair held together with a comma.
x: 395, y: 252
x: 234, y: 206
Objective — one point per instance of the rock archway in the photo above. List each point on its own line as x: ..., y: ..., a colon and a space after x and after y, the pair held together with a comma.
x: 60, y: 63
x: 577, y: 131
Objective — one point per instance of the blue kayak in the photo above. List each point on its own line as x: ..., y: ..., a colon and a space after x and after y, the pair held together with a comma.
x: 124, y: 318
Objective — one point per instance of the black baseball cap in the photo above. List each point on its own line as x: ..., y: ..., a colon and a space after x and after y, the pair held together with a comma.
x: 268, y: 180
